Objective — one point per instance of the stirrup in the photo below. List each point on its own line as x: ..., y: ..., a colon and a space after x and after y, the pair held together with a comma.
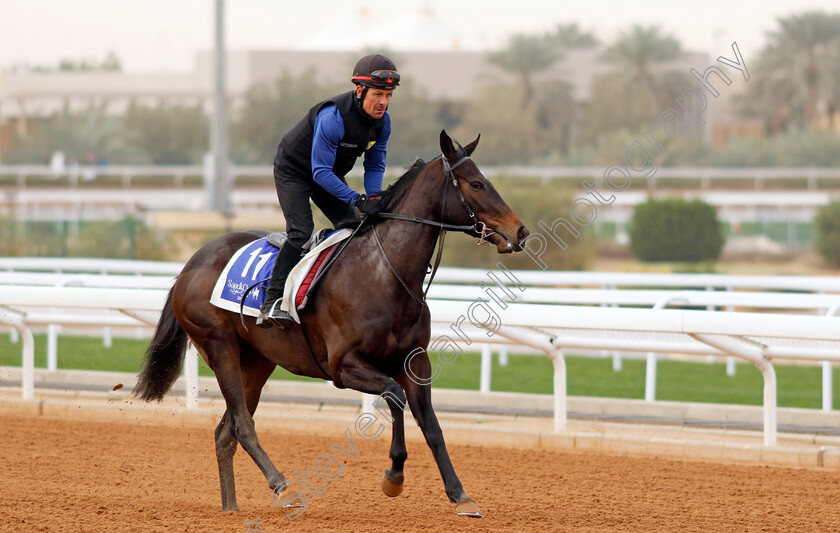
x: 274, y: 315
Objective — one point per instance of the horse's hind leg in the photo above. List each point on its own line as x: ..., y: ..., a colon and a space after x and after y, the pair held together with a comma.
x: 255, y: 372
x: 225, y: 449
x: 224, y: 357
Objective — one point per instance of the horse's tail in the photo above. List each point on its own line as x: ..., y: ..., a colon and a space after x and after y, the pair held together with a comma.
x: 164, y: 357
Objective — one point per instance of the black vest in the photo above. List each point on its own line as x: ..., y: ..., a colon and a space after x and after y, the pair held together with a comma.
x: 294, y: 154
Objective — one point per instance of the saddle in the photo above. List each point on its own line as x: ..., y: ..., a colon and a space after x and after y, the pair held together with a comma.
x: 243, y: 281
x: 277, y: 238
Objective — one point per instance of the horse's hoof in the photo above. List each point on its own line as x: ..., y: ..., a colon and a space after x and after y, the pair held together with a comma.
x: 234, y: 509
x: 468, y: 508
x: 291, y: 506
x: 390, y: 488
x: 278, y: 497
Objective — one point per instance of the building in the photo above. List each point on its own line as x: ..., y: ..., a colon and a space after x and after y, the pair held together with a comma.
x: 429, y: 52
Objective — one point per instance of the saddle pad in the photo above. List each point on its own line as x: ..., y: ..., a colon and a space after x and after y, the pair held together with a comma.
x: 252, y: 265
x: 312, y: 263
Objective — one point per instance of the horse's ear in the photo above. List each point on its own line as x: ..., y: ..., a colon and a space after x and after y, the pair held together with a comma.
x: 446, y: 146
x: 470, y: 148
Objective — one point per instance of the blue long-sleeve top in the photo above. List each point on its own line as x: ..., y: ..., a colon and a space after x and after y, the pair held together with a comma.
x: 329, y: 130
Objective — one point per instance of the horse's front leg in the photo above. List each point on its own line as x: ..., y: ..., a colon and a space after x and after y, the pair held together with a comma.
x: 356, y: 373
x: 420, y: 400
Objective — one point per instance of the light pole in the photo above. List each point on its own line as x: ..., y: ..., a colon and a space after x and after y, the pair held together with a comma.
x: 220, y: 196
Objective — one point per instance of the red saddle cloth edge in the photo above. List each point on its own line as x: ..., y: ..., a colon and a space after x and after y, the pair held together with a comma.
x: 300, y: 297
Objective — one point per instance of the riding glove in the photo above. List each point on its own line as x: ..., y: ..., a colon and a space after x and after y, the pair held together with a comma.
x: 370, y: 204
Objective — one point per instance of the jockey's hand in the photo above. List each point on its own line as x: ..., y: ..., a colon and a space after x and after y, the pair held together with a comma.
x: 369, y: 204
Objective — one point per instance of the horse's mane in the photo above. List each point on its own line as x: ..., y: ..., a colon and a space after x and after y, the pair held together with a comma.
x: 395, y: 191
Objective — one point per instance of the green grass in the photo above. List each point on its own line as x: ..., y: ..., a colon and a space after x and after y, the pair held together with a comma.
x: 798, y: 386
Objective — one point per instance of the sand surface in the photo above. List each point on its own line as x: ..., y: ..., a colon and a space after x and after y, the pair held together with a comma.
x: 62, y: 475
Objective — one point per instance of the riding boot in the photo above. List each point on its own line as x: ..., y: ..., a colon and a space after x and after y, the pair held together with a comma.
x: 270, y: 312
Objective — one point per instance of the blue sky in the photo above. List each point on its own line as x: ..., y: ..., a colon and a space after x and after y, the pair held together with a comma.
x: 164, y: 35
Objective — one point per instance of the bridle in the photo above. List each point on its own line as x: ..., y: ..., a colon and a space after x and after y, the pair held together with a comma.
x: 477, y: 226
x: 450, y: 175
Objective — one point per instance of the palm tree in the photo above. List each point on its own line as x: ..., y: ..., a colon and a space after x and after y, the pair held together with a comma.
x: 641, y: 52
x: 570, y: 36
x: 797, y: 74
x: 525, y: 56
x: 800, y: 61
x: 558, y: 115
x: 771, y: 95
x: 832, y: 82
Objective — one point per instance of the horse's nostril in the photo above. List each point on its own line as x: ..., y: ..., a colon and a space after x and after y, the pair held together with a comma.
x: 522, y: 233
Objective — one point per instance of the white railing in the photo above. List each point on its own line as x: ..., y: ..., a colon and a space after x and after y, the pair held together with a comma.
x: 471, y: 276
x: 538, y: 278
x: 826, y: 304
x: 90, y: 266
x: 641, y: 297
x: 809, y: 176
x: 116, y: 281
x: 463, y: 284
x: 725, y: 291
x: 720, y: 291
x: 23, y: 307
x: 755, y: 337
x: 821, y: 304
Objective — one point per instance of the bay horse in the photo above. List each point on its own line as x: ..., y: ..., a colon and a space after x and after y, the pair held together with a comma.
x: 360, y: 326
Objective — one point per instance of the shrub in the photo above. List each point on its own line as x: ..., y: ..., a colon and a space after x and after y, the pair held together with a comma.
x: 675, y: 230
x: 827, y: 239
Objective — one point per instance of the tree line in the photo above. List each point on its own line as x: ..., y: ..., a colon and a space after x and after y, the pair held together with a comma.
x: 528, y: 117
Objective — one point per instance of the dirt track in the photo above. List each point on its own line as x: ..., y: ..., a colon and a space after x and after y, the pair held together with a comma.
x: 64, y: 476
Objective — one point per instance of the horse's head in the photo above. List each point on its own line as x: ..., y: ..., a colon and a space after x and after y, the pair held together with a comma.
x: 470, y: 199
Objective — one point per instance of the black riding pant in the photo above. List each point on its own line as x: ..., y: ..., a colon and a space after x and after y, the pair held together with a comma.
x: 294, y: 193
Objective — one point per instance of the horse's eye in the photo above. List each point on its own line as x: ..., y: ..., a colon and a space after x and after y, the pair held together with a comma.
x: 476, y: 184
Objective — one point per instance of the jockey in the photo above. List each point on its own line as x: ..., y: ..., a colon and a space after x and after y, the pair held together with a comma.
x: 315, y: 155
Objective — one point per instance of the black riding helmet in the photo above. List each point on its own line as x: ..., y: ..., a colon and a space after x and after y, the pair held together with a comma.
x: 377, y: 71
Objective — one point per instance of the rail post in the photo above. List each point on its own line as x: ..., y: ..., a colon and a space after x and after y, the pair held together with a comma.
x: 651, y: 364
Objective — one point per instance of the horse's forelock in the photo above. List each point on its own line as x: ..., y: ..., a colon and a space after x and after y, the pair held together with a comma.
x: 460, y: 151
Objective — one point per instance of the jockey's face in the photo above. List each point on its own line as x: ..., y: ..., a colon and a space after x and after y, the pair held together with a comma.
x: 376, y: 101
